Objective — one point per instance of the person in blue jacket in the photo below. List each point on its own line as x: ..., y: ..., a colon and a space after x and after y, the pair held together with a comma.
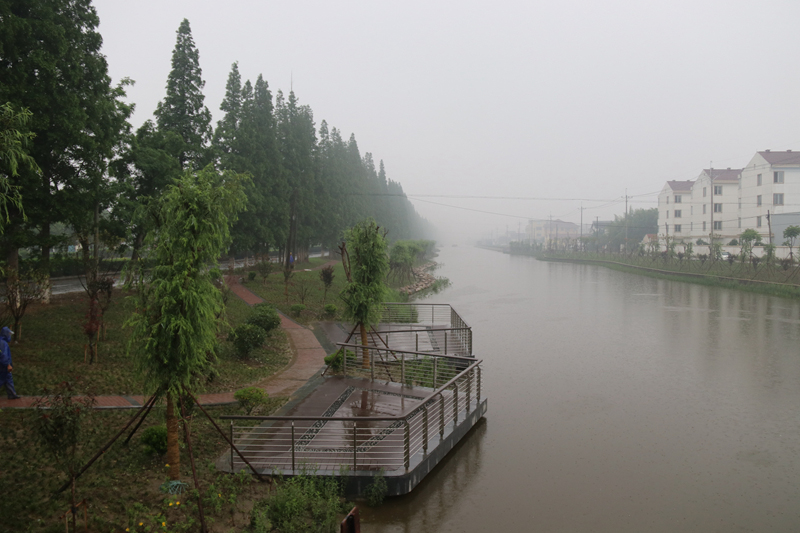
x: 5, y: 364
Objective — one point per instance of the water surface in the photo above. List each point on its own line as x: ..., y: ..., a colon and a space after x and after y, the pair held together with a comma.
x: 616, y: 403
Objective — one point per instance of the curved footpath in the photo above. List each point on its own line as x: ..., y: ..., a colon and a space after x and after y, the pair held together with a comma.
x: 306, y: 362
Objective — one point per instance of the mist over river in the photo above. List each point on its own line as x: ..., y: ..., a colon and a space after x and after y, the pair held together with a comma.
x: 617, y: 403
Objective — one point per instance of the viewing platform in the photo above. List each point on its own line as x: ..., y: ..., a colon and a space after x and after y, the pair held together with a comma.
x: 380, y: 409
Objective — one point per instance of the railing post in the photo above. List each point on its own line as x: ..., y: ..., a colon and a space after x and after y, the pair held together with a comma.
x: 441, y: 417
x: 455, y: 402
x: 445, y: 342
x: 435, y: 361
x: 292, y: 445
x: 231, y: 446
x: 344, y: 361
x: 417, y: 349
x: 403, y: 369
x: 355, y: 445
x: 371, y: 364
x: 425, y: 429
x: 469, y: 387
x: 479, y: 385
x: 407, y: 445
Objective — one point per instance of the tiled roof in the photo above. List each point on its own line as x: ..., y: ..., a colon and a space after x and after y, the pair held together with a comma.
x: 728, y: 174
x: 681, y: 185
x: 788, y: 157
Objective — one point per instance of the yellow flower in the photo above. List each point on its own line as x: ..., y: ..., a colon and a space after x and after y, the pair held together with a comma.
x: 166, y: 465
x: 219, y: 495
x: 177, y: 503
x: 170, y: 504
x: 164, y: 524
x: 140, y: 523
x: 127, y: 529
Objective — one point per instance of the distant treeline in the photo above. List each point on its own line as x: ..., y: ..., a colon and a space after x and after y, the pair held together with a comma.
x: 95, y: 178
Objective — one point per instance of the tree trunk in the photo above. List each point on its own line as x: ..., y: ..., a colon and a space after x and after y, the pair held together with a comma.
x: 173, y: 450
x: 365, y: 350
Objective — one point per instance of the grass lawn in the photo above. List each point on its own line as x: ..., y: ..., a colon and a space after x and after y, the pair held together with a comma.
x: 122, y: 487
x: 52, y: 350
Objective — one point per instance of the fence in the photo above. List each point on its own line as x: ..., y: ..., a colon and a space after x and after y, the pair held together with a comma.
x: 452, y: 390
x: 424, y: 327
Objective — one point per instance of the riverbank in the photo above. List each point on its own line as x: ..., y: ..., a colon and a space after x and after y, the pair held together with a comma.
x: 715, y: 279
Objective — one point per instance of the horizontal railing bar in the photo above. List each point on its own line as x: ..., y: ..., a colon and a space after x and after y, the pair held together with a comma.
x: 392, y: 350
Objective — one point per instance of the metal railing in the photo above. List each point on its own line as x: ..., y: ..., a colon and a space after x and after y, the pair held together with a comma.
x: 439, y: 392
x: 425, y: 327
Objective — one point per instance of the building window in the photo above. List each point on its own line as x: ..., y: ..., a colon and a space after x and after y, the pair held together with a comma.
x: 691, y: 226
x: 740, y: 203
x: 717, y: 224
x: 667, y: 200
x: 777, y: 176
x: 758, y: 222
x: 717, y: 189
x: 667, y: 213
x: 677, y: 213
x: 691, y: 210
x: 704, y: 225
x: 677, y: 198
x: 777, y: 199
x: 758, y: 200
x: 740, y: 222
x: 667, y: 227
x: 718, y: 208
x: 677, y: 228
x: 758, y: 180
x: 704, y: 209
x: 704, y: 192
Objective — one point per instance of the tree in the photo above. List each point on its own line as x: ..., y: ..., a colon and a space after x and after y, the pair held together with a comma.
x: 175, y: 326
x: 790, y: 234
x: 14, y: 142
x: 366, y: 289
x: 182, y: 110
x: 748, y: 239
x: 52, y: 64
x: 326, y: 275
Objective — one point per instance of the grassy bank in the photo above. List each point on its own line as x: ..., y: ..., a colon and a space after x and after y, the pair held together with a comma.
x: 772, y: 280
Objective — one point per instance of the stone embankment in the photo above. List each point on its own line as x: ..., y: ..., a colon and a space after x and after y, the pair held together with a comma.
x: 424, y: 280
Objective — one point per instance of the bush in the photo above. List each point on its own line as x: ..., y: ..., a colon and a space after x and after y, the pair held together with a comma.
x: 334, y: 360
x: 330, y: 310
x: 251, y: 397
x: 155, y: 439
x: 376, y: 491
x: 247, y: 338
x: 302, y: 503
x: 265, y: 317
x: 251, y: 276
x: 296, y: 309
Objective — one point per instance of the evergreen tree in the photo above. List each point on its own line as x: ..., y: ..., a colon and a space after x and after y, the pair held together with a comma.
x: 51, y: 64
x: 183, y: 110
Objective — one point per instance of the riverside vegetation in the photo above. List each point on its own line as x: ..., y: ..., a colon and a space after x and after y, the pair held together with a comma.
x: 52, y: 352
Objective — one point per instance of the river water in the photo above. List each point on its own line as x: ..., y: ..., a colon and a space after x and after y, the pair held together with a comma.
x: 616, y: 403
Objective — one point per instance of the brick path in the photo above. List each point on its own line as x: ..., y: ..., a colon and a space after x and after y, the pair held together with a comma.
x: 305, y: 363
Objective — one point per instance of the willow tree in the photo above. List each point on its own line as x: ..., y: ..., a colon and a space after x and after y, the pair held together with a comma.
x: 366, y: 265
x: 175, y: 325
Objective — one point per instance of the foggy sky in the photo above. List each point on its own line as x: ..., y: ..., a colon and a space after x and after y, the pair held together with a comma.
x: 556, y: 99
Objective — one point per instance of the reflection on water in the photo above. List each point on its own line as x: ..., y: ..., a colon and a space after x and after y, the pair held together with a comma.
x: 616, y: 403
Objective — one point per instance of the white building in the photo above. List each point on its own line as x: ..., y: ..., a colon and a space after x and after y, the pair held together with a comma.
x: 715, y: 204
x: 770, y: 183
x: 672, y: 211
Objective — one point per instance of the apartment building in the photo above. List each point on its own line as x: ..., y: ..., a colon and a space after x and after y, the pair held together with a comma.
x: 729, y: 201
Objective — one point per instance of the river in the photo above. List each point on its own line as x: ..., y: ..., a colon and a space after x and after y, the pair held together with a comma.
x: 617, y: 403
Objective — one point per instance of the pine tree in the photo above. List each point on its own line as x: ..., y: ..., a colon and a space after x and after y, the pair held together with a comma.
x: 183, y: 110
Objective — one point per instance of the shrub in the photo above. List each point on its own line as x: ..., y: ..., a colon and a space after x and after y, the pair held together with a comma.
x: 265, y: 317
x: 296, y: 309
x: 302, y: 503
x: 334, y: 360
x: 251, y: 397
x: 247, y: 338
x: 251, y: 276
x: 155, y: 439
x: 376, y: 491
x: 330, y: 310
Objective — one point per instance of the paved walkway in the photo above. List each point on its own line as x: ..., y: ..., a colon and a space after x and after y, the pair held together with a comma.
x: 306, y: 362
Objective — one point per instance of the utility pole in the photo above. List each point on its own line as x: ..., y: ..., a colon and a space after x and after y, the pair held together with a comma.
x: 626, y: 220
x: 582, y: 247
x: 769, y: 225
x: 597, y: 233
x: 711, y: 195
